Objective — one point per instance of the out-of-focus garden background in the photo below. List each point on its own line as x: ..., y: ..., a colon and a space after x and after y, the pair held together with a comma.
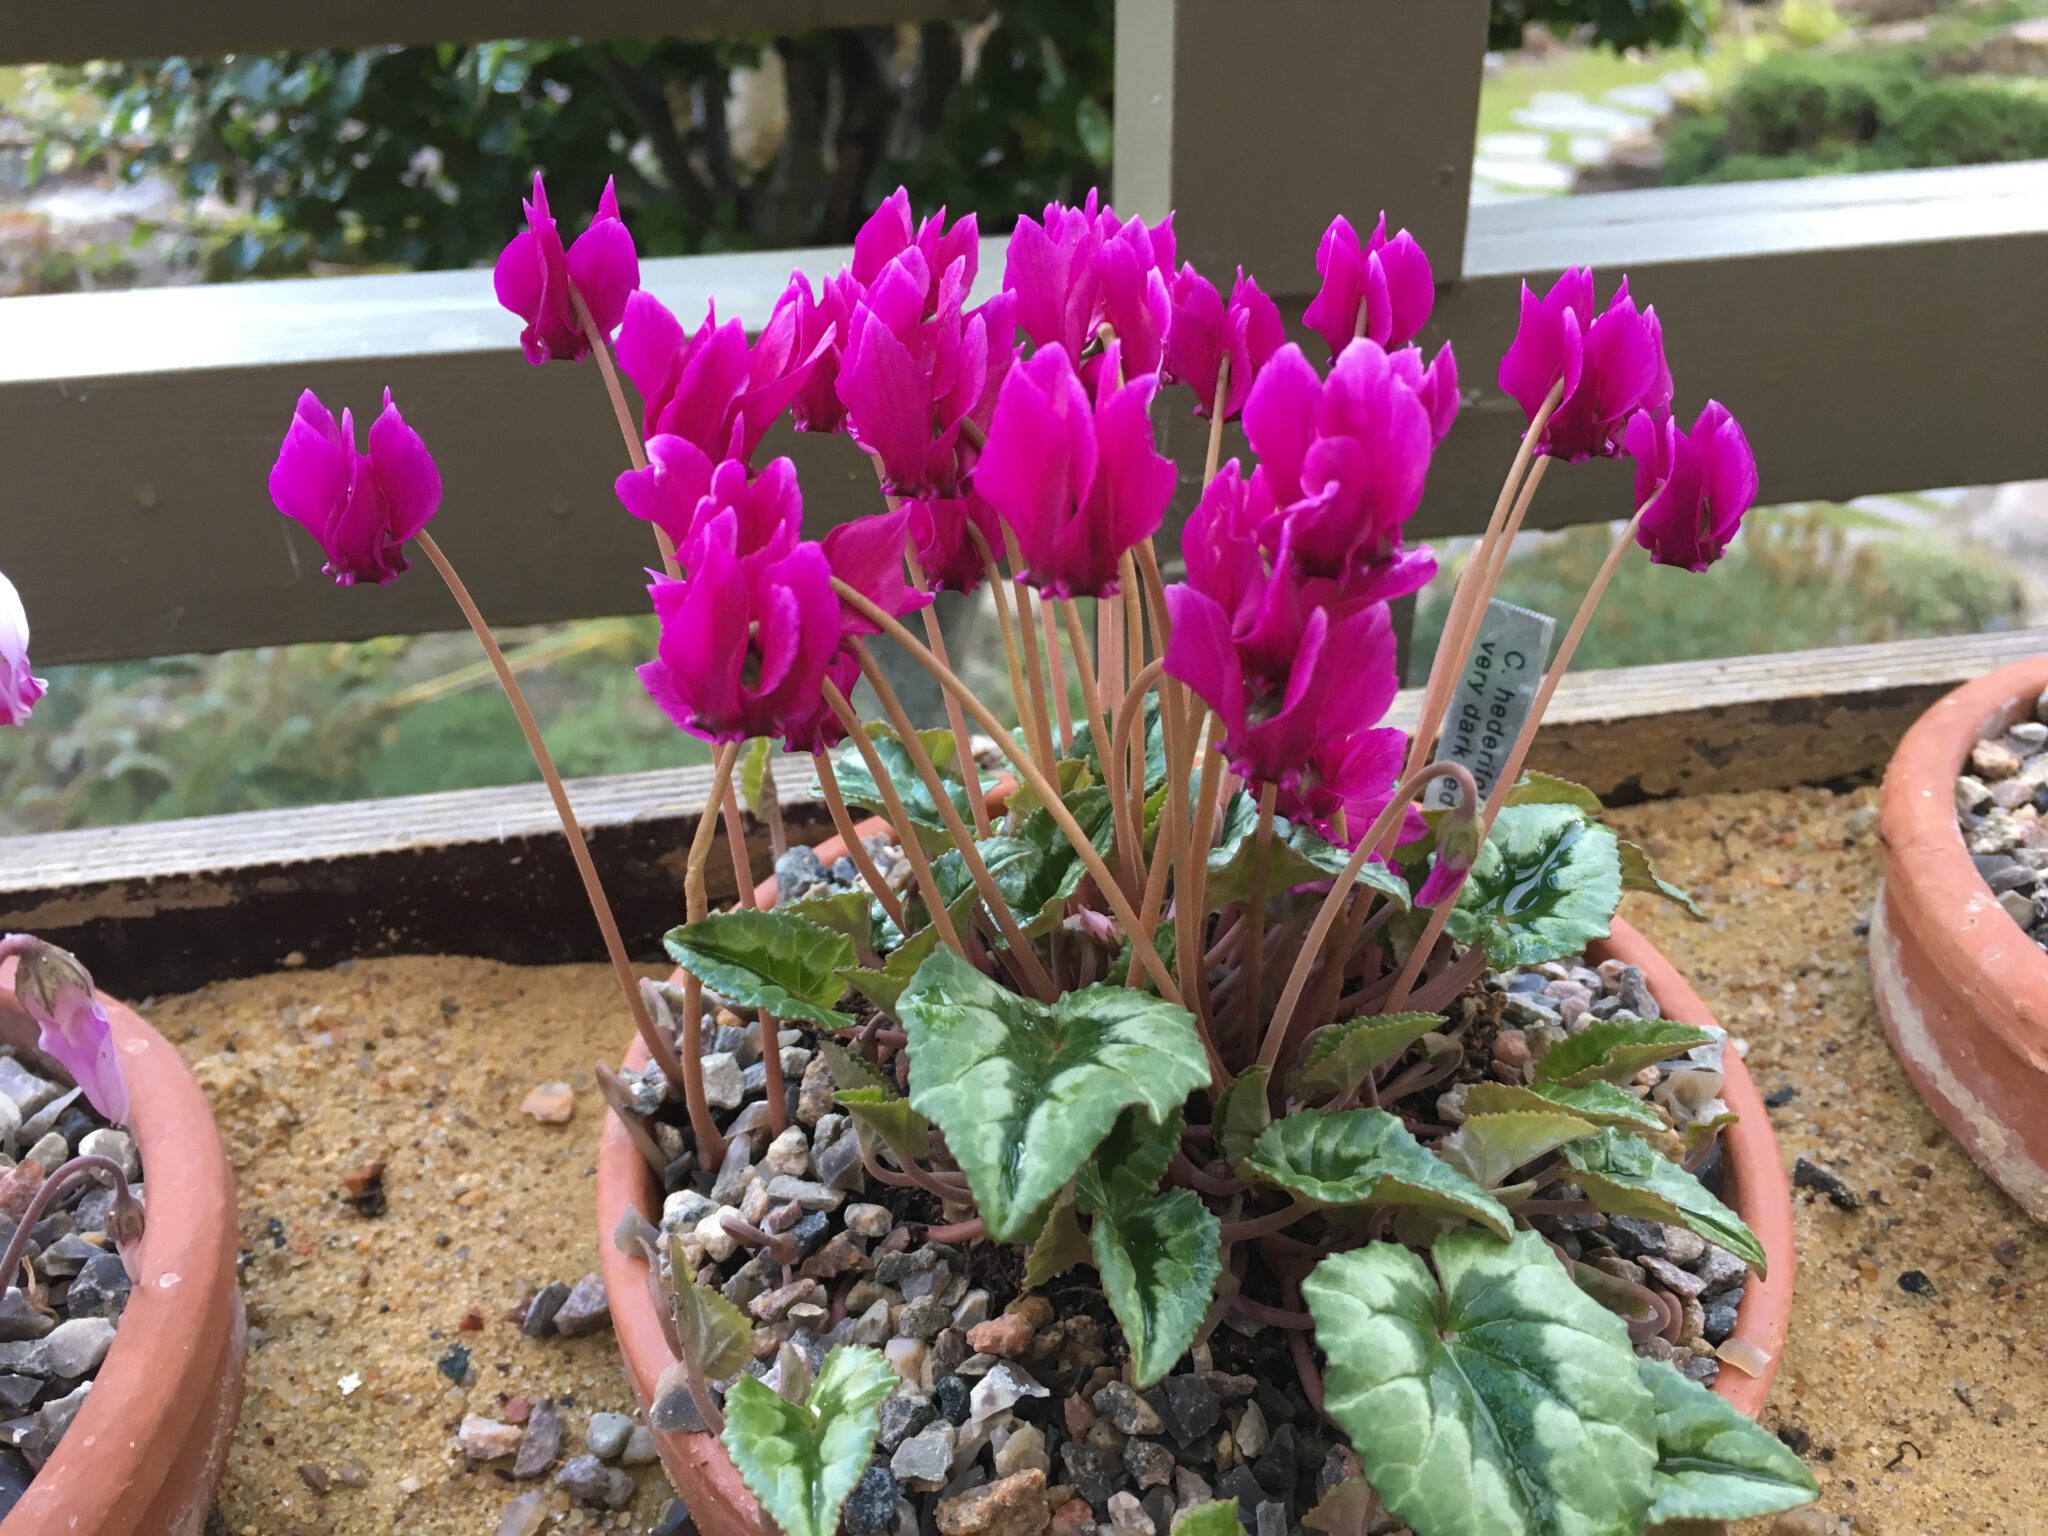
x: 185, y: 170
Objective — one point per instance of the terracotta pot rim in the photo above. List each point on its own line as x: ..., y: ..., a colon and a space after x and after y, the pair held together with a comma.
x: 148, y: 1447
x: 1762, y: 1195
x: 1928, y: 872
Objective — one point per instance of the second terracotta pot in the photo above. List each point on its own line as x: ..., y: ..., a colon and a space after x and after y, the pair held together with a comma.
x: 1962, y: 988
x: 710, y: 1485
x: 146, y: 1451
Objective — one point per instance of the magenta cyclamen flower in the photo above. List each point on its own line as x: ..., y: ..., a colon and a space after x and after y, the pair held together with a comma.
x: 893, y: 229
x: 1205, y: 330
x: 1611, y: 365
x: 1082, y: 268
x: 711, y: 387
x: 946, y: 551
x: 1344, y: 460
x: 1459, y: 836
x: 745, y: 644
x: 19, y: 688
x: 910, y: 378
x: 1350, y: 777
x: 362, y: 507
x: 820, y: 320
x: 58, y: 994
x: 534, y: 277
x: 1694, y: 486
x: 1078, y: 484
x: 1382, y: 289
x: 683, y: 494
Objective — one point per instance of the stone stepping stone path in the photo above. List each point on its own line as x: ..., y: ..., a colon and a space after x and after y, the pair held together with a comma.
x: 1561, y: 132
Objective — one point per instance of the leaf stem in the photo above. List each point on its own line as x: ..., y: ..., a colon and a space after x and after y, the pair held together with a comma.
x: 1253, y: 953
x: 1259, y: 1226
x: 659, y: 1049
x: 1056, y: 663
x: 1034, y: 673
x: 710, y: 1144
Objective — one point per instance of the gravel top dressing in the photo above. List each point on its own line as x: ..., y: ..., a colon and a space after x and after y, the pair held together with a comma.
x: 382, y: 1304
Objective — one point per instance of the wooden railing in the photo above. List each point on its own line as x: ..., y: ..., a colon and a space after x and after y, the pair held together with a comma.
x: 1876, y: 333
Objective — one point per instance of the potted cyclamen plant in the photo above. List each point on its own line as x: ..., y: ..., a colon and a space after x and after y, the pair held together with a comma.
x: 1152, y: 1114
x: 1959, y: 933
x: 121, y: 1338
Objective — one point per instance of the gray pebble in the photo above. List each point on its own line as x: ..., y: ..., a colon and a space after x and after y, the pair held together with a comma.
x: 734, y: 1174
x: 586, y: 1310
x: 812, y: 1197
x: 904, y: 1413
x: 797, y: 871
x: 1128, y: 1413
x: 607, y: 1434
x: 51, y: 1150
x: 675, y: 1410
x: 925, y: 1461
x: 117, y: 1147
x: 923, y: 1318
x: 725, y: 1083
x: 871, y: 1507
x: 590, y: 1481
x: 67, y: 1256
x: 540, y: 1312
x: 541, y: 1443
x: 28, y: 1091
x: 640, y: 1449
x: 1719, y: 1269
x: 19, y: 1321
x: 681, y: 1211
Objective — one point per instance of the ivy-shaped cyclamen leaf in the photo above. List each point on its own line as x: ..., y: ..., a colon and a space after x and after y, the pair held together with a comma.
x: 1506, y: 1401
x: 1615, y: 1050
x: 1345, y: 1053
x: 1130, y: 1162
x: 1035, y: 867
x: 1625, y: 1176
x: 1713, y: 1461
x: 1242, y: 1114
x: 1601, y: 1103
x: 1534, y: 788
x: 889, y: 1119
x: 1059, y: 1245
x: 1025, y: 1092
x: 752, y: 776
x: 850, y: 1071
x: 857, y: 786
x: 1487, y: 1148
x: 801, y: 1460
x: 1545, y: 886
x: 787, y: 965
x: 716, y: 1336
x: 1158, y: 1257
x: 1155, y: 745
x: 883, y: 987
x: 1298, y: 856
x: 847, y: 912
x: 1699, y: 1134
x: 1637, y: 875
x: 1367, y: 1157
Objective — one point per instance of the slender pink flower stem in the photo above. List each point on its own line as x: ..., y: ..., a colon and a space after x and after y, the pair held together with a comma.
x: 1013, y: 650
x: 1189, y: 905
x: 959, y: 1232
x: 1326, y: 915
x: 856, y: 850
x: 61, y: 1177
x: 1021, y: 951
x: 635, y: 449
x: 710, y: 1143
x: 579, y: 850
x: 1048, y: 795
x: 1511, y: 769
x: 892, y: 803
x: 1056, y: 664
x: 736, y: 844
x: 1109, y: 751
x: 1254, y: 949
x: 1034, y: 673
x: 1470, y: 597
x: 771, y: 1072
x: 1214, y: 458
x: 1272, y: 1317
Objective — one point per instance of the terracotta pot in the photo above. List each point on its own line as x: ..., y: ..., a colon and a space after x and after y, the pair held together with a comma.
x: 709, y: 1483
x: 145, y: 1452
x: 1962, y: 989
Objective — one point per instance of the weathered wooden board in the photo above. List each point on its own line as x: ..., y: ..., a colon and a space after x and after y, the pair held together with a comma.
x: 171, y: 905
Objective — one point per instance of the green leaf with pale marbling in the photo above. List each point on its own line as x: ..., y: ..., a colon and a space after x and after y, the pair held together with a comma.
x: 715, y: 1335
x: 1155, y: 745
x: 1487, y: 1148
x: 1534, y: 788
x: 847, y: 912
x: 1614, y: 1050
x: 858, y: 786
x: 1626, y: 1176
x: 751, y: 774
x: 1242, y: 1113
x: 1494, y: 1397
x: 1637, y: 875
x: 1545, y: 886
x: 1059, y: 1245
x: 1024, y: 1092
x: 1367, y: 1157
x: 888, y: 1118
x: 801, y: 1460
x: 787, y: 965
x: 1345, y: 1053
x: 1297, y: 856
x: 1601, y: 1103
x: 1129, y: 1162
x: 1158, y: 1256
x: 1714, y: 1462
x: 885, y: 986
x: 1035, y: 867
x: 850, y: 1071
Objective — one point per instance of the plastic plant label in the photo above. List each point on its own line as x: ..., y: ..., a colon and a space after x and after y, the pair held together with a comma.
x: 1491, y: 701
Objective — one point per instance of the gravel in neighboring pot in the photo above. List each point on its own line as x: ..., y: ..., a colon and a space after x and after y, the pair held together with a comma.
x: 53, y: 1337
x: 1012, y: 1416
x: 2001, y: 799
